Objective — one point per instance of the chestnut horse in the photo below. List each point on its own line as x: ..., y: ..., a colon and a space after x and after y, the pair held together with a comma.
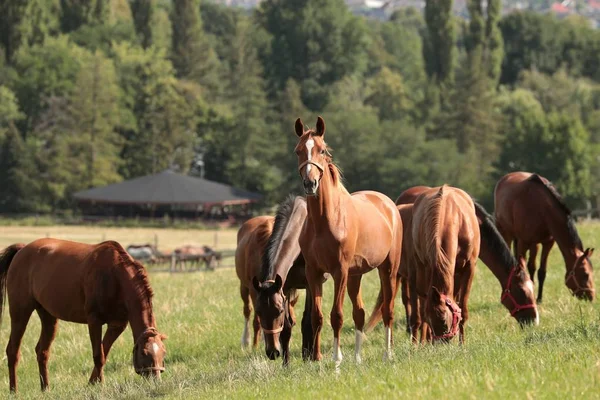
x: 529, y: 210
x: 344, y: 235
x: 281, y: 273
x: 87, y: 284
x: 446, y: 241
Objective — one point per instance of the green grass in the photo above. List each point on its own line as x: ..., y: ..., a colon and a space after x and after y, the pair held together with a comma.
x: 202, y: 315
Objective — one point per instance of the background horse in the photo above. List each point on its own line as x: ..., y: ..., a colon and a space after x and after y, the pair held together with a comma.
x: 446, y: 241
x: 88, y: 284
x: 528, y: 211
x: 281, y: 273
x: 346, y: 236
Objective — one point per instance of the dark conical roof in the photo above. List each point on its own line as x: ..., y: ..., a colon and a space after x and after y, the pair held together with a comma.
x: 168, y: 187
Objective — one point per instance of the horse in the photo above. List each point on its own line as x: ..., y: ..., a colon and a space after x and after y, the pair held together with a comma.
x: 82, y: 283
x: 446, y: 240
x: 529, y: 210
x: 252, y: 238
x: 410, y: 195
x: 142, y: 252
x: 282, y: 272
x: 194, y: 255
x: 346, y: 236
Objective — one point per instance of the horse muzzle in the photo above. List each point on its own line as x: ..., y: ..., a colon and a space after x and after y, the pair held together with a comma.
x: 310, y: 187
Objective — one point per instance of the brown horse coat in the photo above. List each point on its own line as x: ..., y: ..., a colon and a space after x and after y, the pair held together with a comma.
x: 446, y: 240
x: 82, y: 283
x: 528, y: 211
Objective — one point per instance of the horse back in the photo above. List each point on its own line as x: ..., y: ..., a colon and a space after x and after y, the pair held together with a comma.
x: 63, y: 277
x: 252, y: 239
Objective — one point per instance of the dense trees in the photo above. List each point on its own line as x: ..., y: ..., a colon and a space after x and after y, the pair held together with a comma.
x: 95, y: 91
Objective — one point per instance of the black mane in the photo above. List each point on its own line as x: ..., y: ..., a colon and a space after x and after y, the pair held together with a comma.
x: 493, y: 238
x: 558, y: 199
x: 282, y: 217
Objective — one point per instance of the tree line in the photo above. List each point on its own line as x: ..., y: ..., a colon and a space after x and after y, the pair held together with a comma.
x: 93, y: 92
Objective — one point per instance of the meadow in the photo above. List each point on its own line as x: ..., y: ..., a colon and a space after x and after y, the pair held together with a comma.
x: 202, y: 315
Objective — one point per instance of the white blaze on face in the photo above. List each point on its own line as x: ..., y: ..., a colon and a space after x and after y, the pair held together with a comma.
x: 155, y: 348
x: 310, y: 143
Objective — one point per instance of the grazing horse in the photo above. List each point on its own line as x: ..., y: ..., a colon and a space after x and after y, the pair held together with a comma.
x: 87, y: 284
x: 410, y: 195
x: 282, y: 272
x: 344, y: 235
x: 528, y: 211
x: 252, y: 238
x: 446, y: 241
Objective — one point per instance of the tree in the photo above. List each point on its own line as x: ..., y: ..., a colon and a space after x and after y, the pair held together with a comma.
x: 314, y: 42
x: 76, y: 13
x: 159, y: 113
x: 387, y: 93
x: 18, y: 178
x: 192, y: 55
x: 9, y: 110
x: 26, y: 22
x: 143, y: 12
x: 439, y: 50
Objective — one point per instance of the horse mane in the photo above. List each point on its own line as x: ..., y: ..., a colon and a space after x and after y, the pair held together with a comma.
x: 282, y: 218
x: 493, y: 238
x: 140, y: 280
x: 432, y: 235
x: 558, y: 199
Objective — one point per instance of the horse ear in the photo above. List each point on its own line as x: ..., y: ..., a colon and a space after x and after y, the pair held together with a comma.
x: 522, y: 262
x: 588, y: 252
x: 278, y: 283
x: 163, y: 336
x: 320, y: 126
x: 299, y: 127
x: 256, y: 284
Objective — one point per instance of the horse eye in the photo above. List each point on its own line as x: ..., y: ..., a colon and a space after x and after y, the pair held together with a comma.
x: 322, y: 151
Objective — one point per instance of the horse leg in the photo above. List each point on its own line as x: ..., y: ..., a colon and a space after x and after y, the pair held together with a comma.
x: 546, y: 247
x: 358, y: 313
x: 315, y: 283
x: 42, y: 349
x: 307, y: 330
x: 245, y: 294
x: 256, y: 321
x: 18, y: 324
x: 415, y: 303
x: 95, y: 331
x: 337, y: 312
x: 464, y: 290
x: 113, y: 331
x: 286, y: 333
x: 533, y: 250
x: 387, y: 277
x: 406, y: 302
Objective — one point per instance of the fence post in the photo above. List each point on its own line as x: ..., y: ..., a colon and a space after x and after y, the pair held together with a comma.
x: 216, y: 241
x: 156, y: 241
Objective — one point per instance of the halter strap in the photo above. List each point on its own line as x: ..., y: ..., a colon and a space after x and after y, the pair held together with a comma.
x: 148, y: 330
x: 579, y: 289
x: 272, y: 331
x: 305, y: 163
x: 456, y: 318
x: 506, y: 294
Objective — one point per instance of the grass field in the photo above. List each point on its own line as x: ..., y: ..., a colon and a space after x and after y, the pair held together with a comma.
x: 202, y: 315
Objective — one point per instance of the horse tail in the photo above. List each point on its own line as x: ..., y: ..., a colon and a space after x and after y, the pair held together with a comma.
x: 377, y: 313
x: 6, y: 258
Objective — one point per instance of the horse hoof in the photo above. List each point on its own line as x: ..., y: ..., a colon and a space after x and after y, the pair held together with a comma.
x: 358, y: 359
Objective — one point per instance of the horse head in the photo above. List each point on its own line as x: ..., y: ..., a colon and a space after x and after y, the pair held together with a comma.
x: 580, y: 278
x: 271, y: 307
x: 444, y: 315
x: 518, y: 295
x: 313, y: 156
x: 149, y: 353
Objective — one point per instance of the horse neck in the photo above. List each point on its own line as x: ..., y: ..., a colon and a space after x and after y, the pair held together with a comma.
x: 137, y: 301
x: 324, y: 210
x: 558, y: 223
x: 495, y: 263
x: 288, y: 248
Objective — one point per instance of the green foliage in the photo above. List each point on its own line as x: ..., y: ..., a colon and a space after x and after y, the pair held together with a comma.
x: 9, y: 110
x: 439, y: 47
x: 143, y: 13
x: 314, y: 42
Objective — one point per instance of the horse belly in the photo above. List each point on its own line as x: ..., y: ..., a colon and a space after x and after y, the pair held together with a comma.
x: 61, y: 299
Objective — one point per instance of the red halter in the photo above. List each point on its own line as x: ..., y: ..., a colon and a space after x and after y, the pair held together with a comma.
x: 516, y: 306
x: 456, y: 318
x: 579, y: 289
x: 305, y: 163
